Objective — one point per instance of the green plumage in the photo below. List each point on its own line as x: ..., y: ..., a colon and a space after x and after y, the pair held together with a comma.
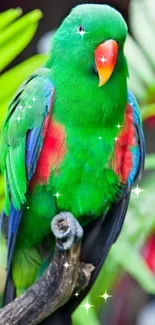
x: 87, y: 116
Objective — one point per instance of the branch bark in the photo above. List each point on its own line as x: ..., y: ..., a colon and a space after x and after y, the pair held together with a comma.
x: 55, y: 287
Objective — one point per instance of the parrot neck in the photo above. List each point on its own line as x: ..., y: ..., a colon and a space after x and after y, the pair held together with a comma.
x: 79, y: 100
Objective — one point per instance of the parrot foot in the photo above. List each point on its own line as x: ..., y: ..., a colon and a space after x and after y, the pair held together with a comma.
x: 66, y: 230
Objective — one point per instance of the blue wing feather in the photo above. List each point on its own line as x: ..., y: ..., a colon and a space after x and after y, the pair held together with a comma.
x: 138, y: 152
x: 32, y: 150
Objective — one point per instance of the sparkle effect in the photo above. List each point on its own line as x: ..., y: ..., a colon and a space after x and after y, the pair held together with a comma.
x: 100, y: 138
x: 66, y: 265
x: 29, y: 106
x: 34, y: 99
x: 18, y: 118
x: 76, y: 294
x: 118, y: 126
x: 103, y: 59
x: 116, y: 139
x: 57, y: 194
x: 137, y: 190
x: 105, y: 296
x: 81, y: 33
x: 87, y: 306
x: 20, y: 106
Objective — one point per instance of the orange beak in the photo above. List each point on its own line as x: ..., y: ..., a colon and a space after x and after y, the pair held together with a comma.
x: 105, y: 60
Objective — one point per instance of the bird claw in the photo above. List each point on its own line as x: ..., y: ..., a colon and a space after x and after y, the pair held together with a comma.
x: 66, y: 229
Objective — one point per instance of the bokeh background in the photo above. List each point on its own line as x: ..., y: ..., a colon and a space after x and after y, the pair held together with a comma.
x: 128, y: 274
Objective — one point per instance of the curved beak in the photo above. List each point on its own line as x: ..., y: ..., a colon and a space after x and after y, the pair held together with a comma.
x: 105, y: 60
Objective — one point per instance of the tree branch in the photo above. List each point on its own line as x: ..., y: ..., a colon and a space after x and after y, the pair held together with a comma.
x: 56, y: 286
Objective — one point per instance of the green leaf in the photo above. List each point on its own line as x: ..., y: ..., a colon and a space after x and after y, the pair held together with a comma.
x: 150, y: 93
x: 148, y: 111
x: 135, y: 84
x: 18, y: 26
x: 82, y: 317
x: 142, y: 26
x: 14, y: 78
x: 134, y: 264
x: 138, y: 62
x: 12, y: 43
x: 9, y: 16
x: 150, y: 162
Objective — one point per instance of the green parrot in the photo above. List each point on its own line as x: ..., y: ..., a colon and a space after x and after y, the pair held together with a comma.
x: 72, y: 138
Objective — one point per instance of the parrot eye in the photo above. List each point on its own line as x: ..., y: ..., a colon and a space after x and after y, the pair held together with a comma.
x: 81, y: 30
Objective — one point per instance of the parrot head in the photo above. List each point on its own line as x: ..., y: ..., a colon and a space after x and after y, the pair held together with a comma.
x: 91, y: 39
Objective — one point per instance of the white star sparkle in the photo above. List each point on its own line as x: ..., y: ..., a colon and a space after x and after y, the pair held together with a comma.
x: 76, y: 294
x: 18, y: 118
x: 137, y: 190
x: 57, y: 194
x: 27, y: 208
x: 103, y: 59
x: 105, y: 296
x: 118, y: 126
x: 116, y: 139
x: 34, y: 99
x: 87, y: 306
x: 66, y: 265
x: 29, y: 106
x: 82, y: 32
x: 20, y: 106
x: 100, y: 138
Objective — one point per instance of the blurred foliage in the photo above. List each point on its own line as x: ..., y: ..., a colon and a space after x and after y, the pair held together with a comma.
x: 140, y: 221
x: 15, y: 34
x: 140, y: 50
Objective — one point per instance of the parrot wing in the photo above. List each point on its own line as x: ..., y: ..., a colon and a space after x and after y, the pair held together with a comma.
x: 139, y: 153
x: 128, y: 159
x: 23, y: 133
